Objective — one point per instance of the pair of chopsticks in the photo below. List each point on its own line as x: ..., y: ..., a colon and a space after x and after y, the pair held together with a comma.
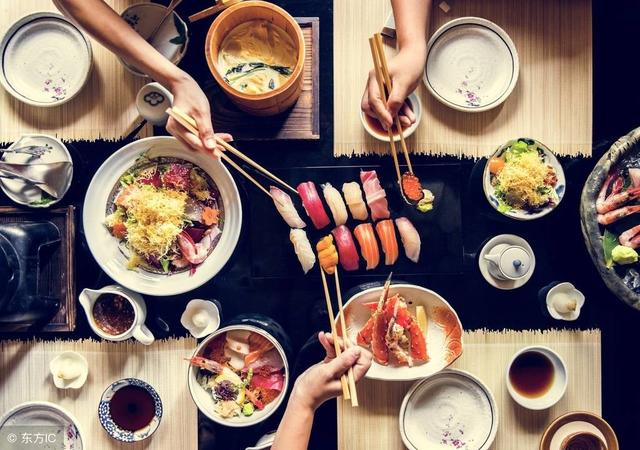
x: 220, y: 5
x: 349, y: 382
x: 190, y: 124
x: 384, y: 80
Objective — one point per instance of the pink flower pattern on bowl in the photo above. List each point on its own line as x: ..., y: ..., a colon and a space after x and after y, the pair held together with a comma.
x: 56, y: 87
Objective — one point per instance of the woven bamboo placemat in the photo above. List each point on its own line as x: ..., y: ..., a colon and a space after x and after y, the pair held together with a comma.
x: 551, y: 102
x: 25, y: 376
x: 104, y: 109
x: 374, y: 424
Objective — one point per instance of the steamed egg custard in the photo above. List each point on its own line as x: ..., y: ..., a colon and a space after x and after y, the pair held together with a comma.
x: 257, y: 57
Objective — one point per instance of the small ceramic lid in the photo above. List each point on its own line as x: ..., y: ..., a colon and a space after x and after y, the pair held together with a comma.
x: 556, y: 298
x: 69, y: 370
x: 514, y: 262
x: 201, y: 318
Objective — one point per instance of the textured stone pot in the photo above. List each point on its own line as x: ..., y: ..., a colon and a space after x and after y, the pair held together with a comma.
x: 588, y: 216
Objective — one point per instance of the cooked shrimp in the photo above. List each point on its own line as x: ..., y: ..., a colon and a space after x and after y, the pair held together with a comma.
x: 631, y: 237
x: 617, y: 214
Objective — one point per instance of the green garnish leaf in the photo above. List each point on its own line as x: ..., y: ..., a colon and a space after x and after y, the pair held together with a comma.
x: 164, y: 262
x: 609, y: 242
x: 45, y: 199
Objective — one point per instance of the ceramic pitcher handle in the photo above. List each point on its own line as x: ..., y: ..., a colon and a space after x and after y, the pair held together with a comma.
x: 143, y: 335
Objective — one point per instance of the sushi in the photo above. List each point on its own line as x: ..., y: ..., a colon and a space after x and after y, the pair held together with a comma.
x: 368, y: 244
x: 302, y: 247
x: 387, y: 234
x: 348, y: 255
x: 313, y: 205
x: 285, y: 207
x: 353, y: 196
x: 327, y: 254
x: 411, y: 187
x: 410, y: 238
x: 376, y: 196
x: 336, y: 204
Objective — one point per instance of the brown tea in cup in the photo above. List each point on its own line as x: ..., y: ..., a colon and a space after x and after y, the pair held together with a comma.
x: 583, y: 440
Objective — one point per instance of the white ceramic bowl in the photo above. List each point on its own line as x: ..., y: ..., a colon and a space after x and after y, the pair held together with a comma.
x: 558, y: 386
x: 104, y: 246
x: 570, y: 289
x: 472, y: 64
x: 357, y: 314
x: 45, y: 59
x: 203, y: 399
x: 520, y: 214
x: 416, y: 105
x: 452, y: 406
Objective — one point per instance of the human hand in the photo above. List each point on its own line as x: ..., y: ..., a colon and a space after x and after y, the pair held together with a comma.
x: 321, y: 381
x: 405, y: 70
x: 189, y: 98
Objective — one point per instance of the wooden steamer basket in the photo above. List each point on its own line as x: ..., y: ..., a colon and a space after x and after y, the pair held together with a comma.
x: 269, y: 103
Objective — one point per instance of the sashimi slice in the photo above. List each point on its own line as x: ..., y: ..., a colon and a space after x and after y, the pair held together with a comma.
x: 271, y: 358
x: 368, y: 244
x: 285, y: 207
x: 348, y: 255
x: 336, y: 204
x: 387, y: 234
x: 375, y: 194
x: 274, y: 381
x: 410, y: 238
x: 302, y: 248
x: 353, y: 197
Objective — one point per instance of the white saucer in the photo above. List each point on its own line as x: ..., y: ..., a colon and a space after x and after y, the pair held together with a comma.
x: 483, y: 264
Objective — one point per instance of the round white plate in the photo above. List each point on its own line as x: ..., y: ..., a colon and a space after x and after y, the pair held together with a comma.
x: 510, y: 239
x: 357, y: 313
x: 104, y: 246
x: 46, y: 59
x: 25, y: 193
x: 472, y: 64
x: 450, y: 410
x: 520, y: 214
x: 43, y: 414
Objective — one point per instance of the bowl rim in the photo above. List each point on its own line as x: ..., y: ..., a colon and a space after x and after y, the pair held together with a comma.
x: 191, y: 380
x: 8, y: 35
x: 297, y: 70
x: 559, y: 421
x: 407, y: 132
x: 473, y: 20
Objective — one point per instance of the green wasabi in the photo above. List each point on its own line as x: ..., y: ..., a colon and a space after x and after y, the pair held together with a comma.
x: 248, y: 409
x: 624, y: 255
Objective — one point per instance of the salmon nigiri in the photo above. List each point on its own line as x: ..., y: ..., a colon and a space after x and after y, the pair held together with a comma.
x: 368, y: 244
x: 387, y: 234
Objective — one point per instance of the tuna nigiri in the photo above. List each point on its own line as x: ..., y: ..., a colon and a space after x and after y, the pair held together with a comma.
x: 336, y: 204
x: 353, y: 196
x: 387, y: 234
x: 410, y: 238
x: 302, y: 247
x: 313, y: 205
x: 285, y: 207
x: 368, y: 244
x: 348, y: 255
x: 376, y: 196
x: 327, y: 254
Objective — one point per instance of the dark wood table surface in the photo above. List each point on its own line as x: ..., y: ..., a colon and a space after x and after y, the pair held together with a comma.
x: 257, y: 279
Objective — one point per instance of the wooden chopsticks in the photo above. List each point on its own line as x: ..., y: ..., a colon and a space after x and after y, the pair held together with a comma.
x: 219, y: 6
x: 383, y: 77
x: 190, y: 124
x: 348, y: 382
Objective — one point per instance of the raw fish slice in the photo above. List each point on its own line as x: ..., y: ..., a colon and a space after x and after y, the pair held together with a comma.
x: 285, y: 207
x: 271, y: 358
x: 353, y: 197
x: 348, y: 255
x: 336, y: 204
x: 410, y: 238
x: 272, y: 381
x: 375, y: 194
x: 368, y: 244
x: 313, y: 205
x: 302, y: 247
x: 387, y: 234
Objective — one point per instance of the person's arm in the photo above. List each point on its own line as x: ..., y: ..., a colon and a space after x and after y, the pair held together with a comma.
x: 315, y: 386
x: 405, y: 68
x: 102, y: 22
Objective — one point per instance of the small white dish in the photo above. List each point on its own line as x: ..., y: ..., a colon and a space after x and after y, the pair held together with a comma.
x: 451, y: 409
x: 558, y: 384
x: 265, y: 442
x: 69, y: 370
x: 152, y: 102
x: 46, y: 59
x: 564, y: 290
x: 201, y: 318
x: 172, y: 38
x: 25, y: 193
x: 381, y: 135
x: 505, y: 240
x: 472, y: 64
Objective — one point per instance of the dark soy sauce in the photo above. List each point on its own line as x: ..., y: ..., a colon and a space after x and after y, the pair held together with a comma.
x: 132, y: 408
x: 531, y: 374
x: 377, y: 128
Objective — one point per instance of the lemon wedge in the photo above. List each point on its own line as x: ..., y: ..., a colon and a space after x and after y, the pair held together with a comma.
x: 421, y: 318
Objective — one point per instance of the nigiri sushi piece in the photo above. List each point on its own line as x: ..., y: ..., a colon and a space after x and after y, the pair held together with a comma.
x: 327, y: 254
x: 302, y: 247
x: 368, y: 244
x: 336, y: 204
x: 353, y: 196
x: 313, y: 205
x: 410, y: 238
x: 348, y: 255
x: 285, y: 207
x: 387, y: 234
x: 375, y: 194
